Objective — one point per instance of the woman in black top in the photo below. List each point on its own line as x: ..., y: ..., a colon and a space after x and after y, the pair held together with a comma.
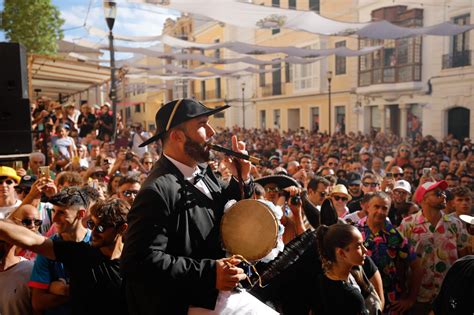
x: 341, y: 248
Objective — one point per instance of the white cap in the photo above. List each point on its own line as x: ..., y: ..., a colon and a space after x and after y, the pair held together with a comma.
x: 403, y: 185
x: 467, y: 218
x: 388, y: 159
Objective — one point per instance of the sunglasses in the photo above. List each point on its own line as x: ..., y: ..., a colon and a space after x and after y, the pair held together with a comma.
x: 97, y: 175
x: 440, y: 193
x: 403, y: 150
x: 7, y: 181
x: 337, y: 198
x: 99, y: 227
x: 373, y: 185
x: 129, y: 193
x: 397, y: 174
x: 276, y: 189
x: 29, y: 222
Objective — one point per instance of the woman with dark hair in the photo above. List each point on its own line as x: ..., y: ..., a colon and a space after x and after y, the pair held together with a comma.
x: 341, y: 248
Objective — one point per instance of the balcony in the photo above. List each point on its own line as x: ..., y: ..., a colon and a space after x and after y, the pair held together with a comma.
x: 273, y: 89
x: 457, y: 59
x: 394, y: 74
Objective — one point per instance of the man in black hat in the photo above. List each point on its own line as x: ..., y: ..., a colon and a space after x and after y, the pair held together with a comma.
x: 172, y: 258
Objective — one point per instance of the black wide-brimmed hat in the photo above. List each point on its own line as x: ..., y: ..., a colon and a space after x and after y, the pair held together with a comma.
x: 282, y: 181
x: 177, y: 112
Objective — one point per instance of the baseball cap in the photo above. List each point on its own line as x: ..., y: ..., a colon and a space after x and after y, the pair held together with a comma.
x: 403, y: 185
x: 6, y: 171
x: 428, y: 186
x: 274, y: 157
x: 177, y: 112
x: 353, y: 178
x: 27, y: 181
x: 70, y: 196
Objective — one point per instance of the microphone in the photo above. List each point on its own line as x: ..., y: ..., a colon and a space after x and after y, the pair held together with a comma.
x: 215, y: 147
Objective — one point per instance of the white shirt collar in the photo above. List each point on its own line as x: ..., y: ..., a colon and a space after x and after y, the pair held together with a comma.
x: 188, y: 172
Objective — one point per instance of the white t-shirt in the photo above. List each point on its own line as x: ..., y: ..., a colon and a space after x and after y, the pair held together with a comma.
x: 5, y: 211
x: 136, y: 141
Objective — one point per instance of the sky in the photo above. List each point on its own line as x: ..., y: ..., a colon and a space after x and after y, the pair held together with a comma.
x: 132, y: 19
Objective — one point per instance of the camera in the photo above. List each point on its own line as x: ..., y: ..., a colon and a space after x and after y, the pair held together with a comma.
x: 128, y: 156
x: 295, y: 200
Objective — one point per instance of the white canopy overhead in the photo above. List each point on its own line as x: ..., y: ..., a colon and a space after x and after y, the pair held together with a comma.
x: 57, y: 75
x: 249, y: 15
x: 239, y: 47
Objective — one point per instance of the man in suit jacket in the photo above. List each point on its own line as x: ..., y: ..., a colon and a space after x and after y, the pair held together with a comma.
x: 172, y: 256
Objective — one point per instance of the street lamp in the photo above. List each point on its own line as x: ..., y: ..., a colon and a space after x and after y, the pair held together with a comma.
x: 110, y: 12
x: 329, y: 78
x: 243, y: 103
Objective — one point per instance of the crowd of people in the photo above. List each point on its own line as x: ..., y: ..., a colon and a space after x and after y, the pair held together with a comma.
x: 96, y: 223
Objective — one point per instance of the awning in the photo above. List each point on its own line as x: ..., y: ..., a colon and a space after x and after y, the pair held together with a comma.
x: 60, y: 75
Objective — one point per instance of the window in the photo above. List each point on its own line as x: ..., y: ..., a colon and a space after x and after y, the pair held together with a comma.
x: 341, y: 119
x: 262, y: 76
x: 314, y: 5
x: 276, y: 79
x: 276, y: 119
x: 287, y: 72
x: 263, y: 119
x: 399, y: 60
x: 305, y: 75
x: 275, y: 3
x: 340, y: 61
x: 138, y: 108
x: 314, y: 123
x: 275, y: 31
x: 375, y: 118
x: 461, y: 41
x: 459, y: 54
x: 292, y: 4
x: 218, y: 88
x: 203, y: 89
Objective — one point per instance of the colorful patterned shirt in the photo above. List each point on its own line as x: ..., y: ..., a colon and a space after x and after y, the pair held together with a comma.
x: 392, y: 254
x: 437, y: 246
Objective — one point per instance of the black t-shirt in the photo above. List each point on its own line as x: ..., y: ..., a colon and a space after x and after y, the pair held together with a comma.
x: 354, y: 204
x: 370, y: 268
x: 95, y: 280
x: 340, y: 297
x: 457, y: 292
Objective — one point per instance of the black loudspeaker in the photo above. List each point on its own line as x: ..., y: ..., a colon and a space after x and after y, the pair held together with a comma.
x: 14, y: 73
x: 15, y: 112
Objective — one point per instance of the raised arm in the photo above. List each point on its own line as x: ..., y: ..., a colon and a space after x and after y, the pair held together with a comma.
x: 22, y: 237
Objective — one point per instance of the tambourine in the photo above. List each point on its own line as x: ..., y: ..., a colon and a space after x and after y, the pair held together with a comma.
x: 249, y: 229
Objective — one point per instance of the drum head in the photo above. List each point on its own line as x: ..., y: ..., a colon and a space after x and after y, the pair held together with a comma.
x: 249, y: 228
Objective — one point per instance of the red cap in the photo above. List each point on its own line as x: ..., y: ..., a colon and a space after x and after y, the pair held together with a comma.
x: 428, y: 186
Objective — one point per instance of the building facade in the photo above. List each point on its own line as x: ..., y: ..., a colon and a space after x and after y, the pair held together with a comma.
x: 420, y: 84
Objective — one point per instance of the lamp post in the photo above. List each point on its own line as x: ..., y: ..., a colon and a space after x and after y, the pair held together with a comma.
x: 329, y: 78
x: 110, y: 12
x: 243, y: 103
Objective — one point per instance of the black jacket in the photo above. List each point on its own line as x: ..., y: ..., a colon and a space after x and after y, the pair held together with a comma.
x: 168, y: 260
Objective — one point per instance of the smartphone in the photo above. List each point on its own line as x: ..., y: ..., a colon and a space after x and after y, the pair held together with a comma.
x: 44, y: 171
x: 18, y: 165
x: 426, y: 171
x: 388, y: 175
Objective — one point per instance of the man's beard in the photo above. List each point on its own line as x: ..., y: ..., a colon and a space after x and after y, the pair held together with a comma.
x: 196, y: 151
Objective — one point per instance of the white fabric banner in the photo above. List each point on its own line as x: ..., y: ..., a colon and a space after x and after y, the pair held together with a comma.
x: 250, y: 15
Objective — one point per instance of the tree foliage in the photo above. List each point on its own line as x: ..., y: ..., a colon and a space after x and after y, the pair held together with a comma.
x: 34, y: 23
